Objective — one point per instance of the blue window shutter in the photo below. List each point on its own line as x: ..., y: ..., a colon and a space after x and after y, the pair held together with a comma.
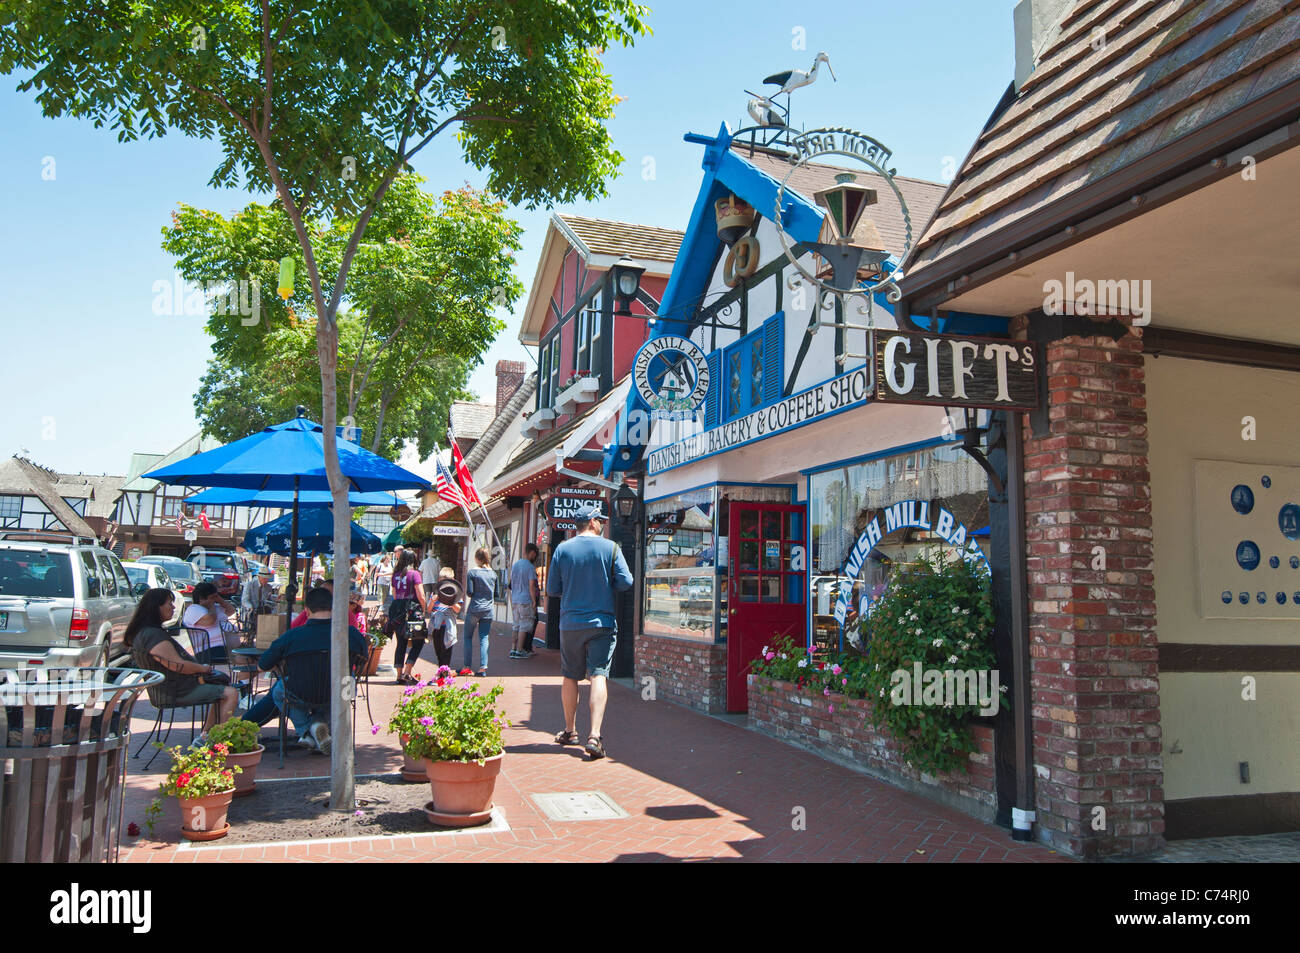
x: 773, y: 365
x: 713, y: 401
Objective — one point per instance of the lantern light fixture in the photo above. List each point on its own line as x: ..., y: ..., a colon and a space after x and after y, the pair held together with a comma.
x: 627, y: 282
x: 625, y: 502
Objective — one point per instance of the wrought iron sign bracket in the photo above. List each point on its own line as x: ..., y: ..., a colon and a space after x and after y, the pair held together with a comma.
x: 1046, y: 328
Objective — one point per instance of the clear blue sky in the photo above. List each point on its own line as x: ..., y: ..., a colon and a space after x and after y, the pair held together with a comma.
x: 91, y: 374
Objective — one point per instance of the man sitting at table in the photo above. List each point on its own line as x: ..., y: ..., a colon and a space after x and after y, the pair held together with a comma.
x: 313, y: 636
x: 302, y: 617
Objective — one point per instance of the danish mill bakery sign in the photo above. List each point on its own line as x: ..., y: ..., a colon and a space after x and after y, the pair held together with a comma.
x: 672, y: 376
x: 956, y: 371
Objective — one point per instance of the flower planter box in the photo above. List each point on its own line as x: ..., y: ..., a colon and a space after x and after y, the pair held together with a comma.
x: 543, y: 420
x: 579, y: 392
x: 838, y: 727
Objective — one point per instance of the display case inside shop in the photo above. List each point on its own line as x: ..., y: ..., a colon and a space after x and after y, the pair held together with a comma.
x: 680, y: 589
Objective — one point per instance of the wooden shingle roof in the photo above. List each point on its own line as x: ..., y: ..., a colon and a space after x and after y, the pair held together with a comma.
x: 603, y: 237
x: 470, y: 419
x: 1122, y: 79
x: 922, y: 197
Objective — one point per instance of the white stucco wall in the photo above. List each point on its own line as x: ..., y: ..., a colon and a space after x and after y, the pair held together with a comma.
x: 1195, y: 412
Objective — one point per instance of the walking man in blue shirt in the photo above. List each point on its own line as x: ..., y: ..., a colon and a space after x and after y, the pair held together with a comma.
x: 585, y: 573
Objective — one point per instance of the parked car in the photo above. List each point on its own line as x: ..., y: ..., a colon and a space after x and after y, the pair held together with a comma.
x: 65, y: 601
x: 223, y: 569
x: 146, y: 576
x: 183, y: 573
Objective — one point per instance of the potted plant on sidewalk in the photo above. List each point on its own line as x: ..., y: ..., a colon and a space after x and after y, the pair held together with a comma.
x: 454, y: 728
x: 378, y: 639
x: 203, y: 785
x: 243, y: 740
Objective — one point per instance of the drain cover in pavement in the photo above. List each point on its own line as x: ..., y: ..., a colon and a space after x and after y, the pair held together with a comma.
x: 579, y: 806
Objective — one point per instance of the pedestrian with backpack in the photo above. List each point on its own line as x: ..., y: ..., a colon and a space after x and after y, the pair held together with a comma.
x: 586, y: 571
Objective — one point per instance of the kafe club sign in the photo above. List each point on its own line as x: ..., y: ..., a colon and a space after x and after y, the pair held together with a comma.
x: 956, y: 371
x: 906, y: 514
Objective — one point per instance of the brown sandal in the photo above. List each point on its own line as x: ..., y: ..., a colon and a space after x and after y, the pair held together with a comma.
x: 566, y: 738
x: 595, y: 747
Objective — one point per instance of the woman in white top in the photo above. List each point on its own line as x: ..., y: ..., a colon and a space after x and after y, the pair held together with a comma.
x: 384, y: 577
x: 211, y: 613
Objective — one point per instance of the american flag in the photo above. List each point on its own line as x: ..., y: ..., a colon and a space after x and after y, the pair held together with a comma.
x: 463, y: 477
x: 447, y: 489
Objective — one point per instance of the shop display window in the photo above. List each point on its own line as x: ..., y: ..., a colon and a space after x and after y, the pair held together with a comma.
x: 843, y: 500
x: 680, y: 581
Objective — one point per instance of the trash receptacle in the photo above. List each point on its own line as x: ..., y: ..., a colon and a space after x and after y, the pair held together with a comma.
x: 64, y: 754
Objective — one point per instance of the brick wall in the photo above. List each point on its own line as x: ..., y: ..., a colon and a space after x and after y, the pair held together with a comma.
x: 783, y: 711
x: 685, y: 671
x: 1094, y: 684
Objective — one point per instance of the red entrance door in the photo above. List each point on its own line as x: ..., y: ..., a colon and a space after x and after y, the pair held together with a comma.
x: 766, y: 586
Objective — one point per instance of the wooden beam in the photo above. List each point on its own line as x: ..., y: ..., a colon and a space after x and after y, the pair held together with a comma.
x: 1163, y: 342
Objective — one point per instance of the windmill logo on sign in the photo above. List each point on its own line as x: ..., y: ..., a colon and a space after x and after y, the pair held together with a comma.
x: 672, y: 375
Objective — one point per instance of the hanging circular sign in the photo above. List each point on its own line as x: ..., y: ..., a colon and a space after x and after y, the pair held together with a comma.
x: 672, y: 376
x: 844, y: 203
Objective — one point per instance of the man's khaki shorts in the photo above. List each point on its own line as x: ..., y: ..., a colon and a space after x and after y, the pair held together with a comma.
x: 524, y: 615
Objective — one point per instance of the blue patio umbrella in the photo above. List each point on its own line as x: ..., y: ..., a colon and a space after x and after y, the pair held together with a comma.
x: 315, y: 534
x: 287, y: 458
x: 232, y: 496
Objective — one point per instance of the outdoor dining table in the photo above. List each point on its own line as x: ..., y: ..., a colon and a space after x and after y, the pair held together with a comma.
x: 250, y: 654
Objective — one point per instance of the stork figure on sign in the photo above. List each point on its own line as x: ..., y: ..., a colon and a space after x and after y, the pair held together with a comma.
x: 794, y: 78
x: 765, y: 112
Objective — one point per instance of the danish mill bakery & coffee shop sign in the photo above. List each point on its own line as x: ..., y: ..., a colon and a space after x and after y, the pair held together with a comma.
x: 831, y: 397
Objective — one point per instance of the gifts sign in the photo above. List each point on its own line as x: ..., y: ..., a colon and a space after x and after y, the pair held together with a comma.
x: 956, y: 371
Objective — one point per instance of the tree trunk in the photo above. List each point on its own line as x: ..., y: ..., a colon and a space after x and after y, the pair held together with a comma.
x: 379, y: 424
x: 342, y: 788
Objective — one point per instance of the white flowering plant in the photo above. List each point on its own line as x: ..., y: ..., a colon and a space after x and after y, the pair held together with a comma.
x: 941, y: 616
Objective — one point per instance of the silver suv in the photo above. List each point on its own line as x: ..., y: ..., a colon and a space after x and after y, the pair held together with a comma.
x: 65, y: 601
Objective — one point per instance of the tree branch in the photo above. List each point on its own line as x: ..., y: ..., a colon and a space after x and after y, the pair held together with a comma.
x: 267, y: 71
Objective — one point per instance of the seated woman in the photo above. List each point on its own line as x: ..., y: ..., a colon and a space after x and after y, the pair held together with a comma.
x: 211, y: 613
x: 153, y: 648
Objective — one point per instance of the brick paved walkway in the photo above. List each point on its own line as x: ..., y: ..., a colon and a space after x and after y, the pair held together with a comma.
x: 694, y: 787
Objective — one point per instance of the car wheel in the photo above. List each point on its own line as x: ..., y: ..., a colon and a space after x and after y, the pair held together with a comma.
x: 102, y: 660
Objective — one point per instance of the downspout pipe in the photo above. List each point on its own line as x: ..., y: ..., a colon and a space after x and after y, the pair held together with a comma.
x: 1022, y: 815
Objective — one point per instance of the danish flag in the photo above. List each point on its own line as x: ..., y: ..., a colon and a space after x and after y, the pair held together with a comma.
x: 463, y: 476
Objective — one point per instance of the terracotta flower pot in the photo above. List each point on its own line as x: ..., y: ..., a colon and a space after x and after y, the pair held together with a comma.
x: 372, y: 664
x: 204, y: 818
x: 412, y: 768
x: 249, y: 761
x: 462, y: 791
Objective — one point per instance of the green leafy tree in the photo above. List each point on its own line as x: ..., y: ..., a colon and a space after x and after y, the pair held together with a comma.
x: 417, y: 314
x: 324, y: 104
